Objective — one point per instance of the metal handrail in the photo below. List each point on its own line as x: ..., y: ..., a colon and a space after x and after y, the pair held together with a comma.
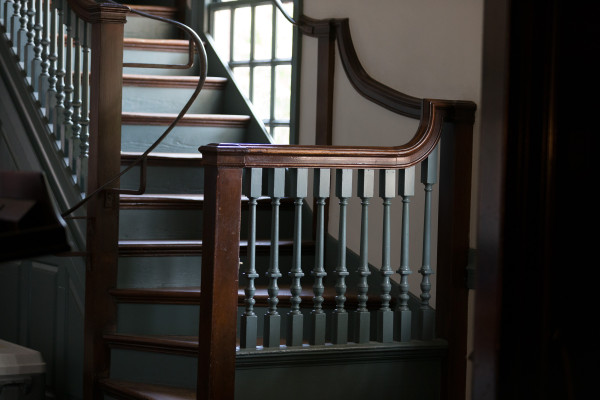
x: 203, y: 61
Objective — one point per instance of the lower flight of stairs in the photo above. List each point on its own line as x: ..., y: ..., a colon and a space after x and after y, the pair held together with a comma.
x: 155, y: 344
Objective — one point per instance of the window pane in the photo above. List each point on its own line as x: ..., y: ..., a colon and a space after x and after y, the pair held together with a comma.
x: 261, y: 94
x: 284, y: 33
x: 242, y: 77
x: 241, y: 34
x: 281, y: 134
x: 263, y: 32
x: 283, y: 92
x: 221, y: 23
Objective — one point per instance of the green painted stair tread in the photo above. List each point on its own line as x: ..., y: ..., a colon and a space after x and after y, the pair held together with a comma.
x: 181, y: 201
x: 183, y: 81
x: 160, y: 158
x: 165, y: 119
x: 157, y: 248
x: 134, y: 390
x: 168, y: 344
x: 162, y: 45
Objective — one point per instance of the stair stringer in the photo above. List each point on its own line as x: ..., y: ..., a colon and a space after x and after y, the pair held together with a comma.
x: 235, y: 102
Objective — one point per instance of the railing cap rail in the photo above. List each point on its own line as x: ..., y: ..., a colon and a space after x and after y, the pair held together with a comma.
x: 426, y: 138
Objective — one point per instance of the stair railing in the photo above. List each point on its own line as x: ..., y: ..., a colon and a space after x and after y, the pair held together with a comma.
x: 71, y: 53
x: 234, y: 169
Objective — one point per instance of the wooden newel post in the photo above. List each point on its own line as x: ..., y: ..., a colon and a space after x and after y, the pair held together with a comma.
x: 453, y: 244
x: 104, y: 163
x: 219, y: 280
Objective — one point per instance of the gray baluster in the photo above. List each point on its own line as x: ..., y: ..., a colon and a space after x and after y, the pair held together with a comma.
x: 52, y: 67
x: 76, y: 98
x: 15, y: 23
x: 385, y: 315
x: 67, y: 122
x: 44, y: 80
x: 30, y: 45
x: 21, y: 37
x: 343, y: 191
x: 403, y: 317
x: 318, y: 319
x: 362, y: 333
x: 84, y: 121
x: 295, y: 321
x: 36, y: 62
x: 426, y: 313
x: 7, y: 17
x: 249, y: 320
x: 59, y: 109
x: 272, y: 330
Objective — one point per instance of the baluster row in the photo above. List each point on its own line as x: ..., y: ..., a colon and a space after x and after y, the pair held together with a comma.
x: 52, y: 46
x: 348, y: 321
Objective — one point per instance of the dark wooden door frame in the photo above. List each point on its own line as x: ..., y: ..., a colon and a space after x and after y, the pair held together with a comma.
x: 535, y: 156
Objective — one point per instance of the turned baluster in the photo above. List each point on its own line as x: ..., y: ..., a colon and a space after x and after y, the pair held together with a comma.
x: 249, y: 320
x: 317, y: 315
x: 362, y: 329
x: 385, y: 316
x: 295, y: 319
x: 426, y: 313
x: 272, y: 328
x: 340, y: 316
x: 403, y: 316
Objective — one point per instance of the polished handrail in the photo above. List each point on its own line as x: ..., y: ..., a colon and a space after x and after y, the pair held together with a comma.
x: 203, y: 61
x: 365, y: 85
x: 435, y: 114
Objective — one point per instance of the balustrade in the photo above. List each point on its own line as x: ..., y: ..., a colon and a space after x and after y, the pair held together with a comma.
x: 53, y: 47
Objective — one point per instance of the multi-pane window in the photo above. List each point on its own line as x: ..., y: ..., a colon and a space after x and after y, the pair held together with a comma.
x: 257, y: 41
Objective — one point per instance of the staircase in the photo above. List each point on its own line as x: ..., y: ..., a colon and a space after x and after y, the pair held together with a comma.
x: 152, y: 344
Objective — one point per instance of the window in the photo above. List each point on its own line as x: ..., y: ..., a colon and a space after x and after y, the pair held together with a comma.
x: 260, y: 47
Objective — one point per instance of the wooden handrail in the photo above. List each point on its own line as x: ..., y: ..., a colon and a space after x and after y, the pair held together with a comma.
x: 435, y: 113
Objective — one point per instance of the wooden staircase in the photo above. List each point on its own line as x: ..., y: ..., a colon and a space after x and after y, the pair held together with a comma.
x: 160, y: 243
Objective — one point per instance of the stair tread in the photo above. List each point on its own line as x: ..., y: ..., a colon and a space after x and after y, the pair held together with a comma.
x: 146, y: 391
x: 184, y: 247
x: 177, y: 201
x: 173, y: 81
x: 159, y: 158
x: 177, y: 45
x: 139, y: 118
x: 172, y: 344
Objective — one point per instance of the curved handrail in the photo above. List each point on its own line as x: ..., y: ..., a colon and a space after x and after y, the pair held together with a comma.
x: 365, y: 85
x: 426, y: 138
x: 91, y: 9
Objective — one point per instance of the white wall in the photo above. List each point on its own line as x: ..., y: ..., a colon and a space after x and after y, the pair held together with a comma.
x: 424, y: 48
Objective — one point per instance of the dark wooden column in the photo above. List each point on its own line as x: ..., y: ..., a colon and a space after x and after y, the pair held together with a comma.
x: 219, y: 282
x: 453, y: 247
x: 104, y: 163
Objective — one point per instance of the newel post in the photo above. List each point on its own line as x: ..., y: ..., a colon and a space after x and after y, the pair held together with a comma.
x: 104, y: 163
x: 219, y: 279
x: 453, y: 242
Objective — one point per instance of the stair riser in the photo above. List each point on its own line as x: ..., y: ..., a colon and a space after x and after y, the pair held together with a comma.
x: 158, y: 57
x: 174, y: 271
x: 182, y: 139
x: 170, y: 100
x: 146, y: 28
x: 187, y: 224
x: 167, y: 179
